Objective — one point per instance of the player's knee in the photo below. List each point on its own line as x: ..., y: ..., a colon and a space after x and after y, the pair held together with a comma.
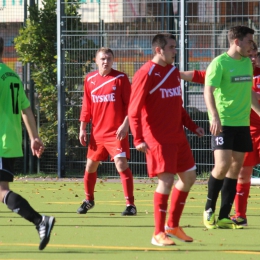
x: 13, y: 200
x: 121, y: 164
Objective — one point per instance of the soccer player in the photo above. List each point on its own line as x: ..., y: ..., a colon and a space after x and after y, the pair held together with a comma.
x: 156, y: 117
x: 228, y: 97
x: 14, y: 105
x: 105, y: 103
x: 251, y: 158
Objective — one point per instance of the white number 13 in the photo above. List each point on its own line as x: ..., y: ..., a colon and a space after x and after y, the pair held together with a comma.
x: 219, y: 140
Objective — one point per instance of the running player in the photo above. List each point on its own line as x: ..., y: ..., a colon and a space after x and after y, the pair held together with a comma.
x: 105, y: 103
x: 156, y: 117
x: 14, y: 105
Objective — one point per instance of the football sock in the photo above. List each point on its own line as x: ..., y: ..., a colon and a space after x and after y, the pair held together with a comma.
x: 128, y: 185
x: 228, y: 193
x: 160, y: 210
x: 242, y: 193
x: 19, y: 205
x: 89, y: 184
x: 178, y: 199
x: 214, y: 187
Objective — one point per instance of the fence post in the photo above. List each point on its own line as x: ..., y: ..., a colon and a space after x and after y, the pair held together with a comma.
x: 60, y: 90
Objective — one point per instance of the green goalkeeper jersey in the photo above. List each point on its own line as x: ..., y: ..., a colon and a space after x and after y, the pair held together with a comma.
x: 12, y: 100
x: 232, y: 80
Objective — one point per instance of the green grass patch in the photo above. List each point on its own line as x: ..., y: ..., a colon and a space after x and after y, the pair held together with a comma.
x: 104, y: 234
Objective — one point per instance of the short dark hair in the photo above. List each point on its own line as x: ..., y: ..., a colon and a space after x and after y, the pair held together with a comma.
x: 239, y: 32
x: 104, y: 50
x: 1, y: 46
x: 160, y: 40
x: 258, y: 55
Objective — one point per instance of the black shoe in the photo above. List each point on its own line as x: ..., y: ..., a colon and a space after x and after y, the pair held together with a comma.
x: 86, y: 206
x: 130, y: 210
x: 44, y: 230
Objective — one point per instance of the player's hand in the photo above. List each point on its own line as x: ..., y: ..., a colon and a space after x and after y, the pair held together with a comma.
x: 83, y: 137
x: 215, y: 126
x: 122, y: 132
x: 200, y: 132
x: 37, y: 147
x: 142, y: 147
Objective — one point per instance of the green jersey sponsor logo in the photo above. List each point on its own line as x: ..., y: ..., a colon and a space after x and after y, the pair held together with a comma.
x: 245, y: 78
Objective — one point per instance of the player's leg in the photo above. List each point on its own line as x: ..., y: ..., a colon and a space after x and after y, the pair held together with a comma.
x: 162, y: 163
x: 242, y: 193
x: 244, y: 180
x: 161, y: 196
x: 89, y: 180
x: 223, y: 159
x: 241, y: 144
x: 178, y: 199
x: 20, y: 205
x: 96, y: 153
x: 228, y: 190
x: 119, y: 152
x: 127, y: 181
x: 187, y: 177
x: 222, y: 146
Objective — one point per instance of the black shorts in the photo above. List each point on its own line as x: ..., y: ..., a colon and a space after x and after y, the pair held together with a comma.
x: 7, y: 169
x: 235, y: 138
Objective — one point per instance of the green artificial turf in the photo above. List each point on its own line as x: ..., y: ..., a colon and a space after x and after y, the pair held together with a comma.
x: 104, y: 234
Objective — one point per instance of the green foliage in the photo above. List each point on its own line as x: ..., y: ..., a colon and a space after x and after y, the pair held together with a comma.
x: 37, y: 44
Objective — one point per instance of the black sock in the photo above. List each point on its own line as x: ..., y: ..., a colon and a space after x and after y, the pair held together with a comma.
x: 228, y: 194
x: 19, y: 205
x: 214, y: 187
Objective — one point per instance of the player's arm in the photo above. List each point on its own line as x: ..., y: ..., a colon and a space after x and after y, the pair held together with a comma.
x: 215, y: 126
x: 83, y: 133
x: 84, y: 115
x: 139, y: 92
x: 37, y: 146
x: 187, y: 75
x: 190, y: 124
x: 195, y: 76
x: 122, y: 130
x: 255, y: 105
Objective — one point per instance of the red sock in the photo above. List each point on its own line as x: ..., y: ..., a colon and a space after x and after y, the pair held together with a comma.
x: 178, y: 199
x: 160, y: 210
x: 241, y: 199
x: 89, y: 184
x: 128, y: 185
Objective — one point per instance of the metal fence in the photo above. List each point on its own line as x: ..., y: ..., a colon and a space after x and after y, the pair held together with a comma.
x: 127, y: 26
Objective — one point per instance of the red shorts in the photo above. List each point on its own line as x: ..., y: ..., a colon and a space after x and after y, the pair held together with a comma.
x: 171, y: 158
x: 253, y: 158
x: 99, y: 150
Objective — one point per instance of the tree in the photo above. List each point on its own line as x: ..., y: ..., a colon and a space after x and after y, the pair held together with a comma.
x: 37, y: 44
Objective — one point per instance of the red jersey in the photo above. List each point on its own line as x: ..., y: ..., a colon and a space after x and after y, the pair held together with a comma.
x: 199, y: 76
x: 105, y: 103
x: 254, y: 118
x: 155, y: 110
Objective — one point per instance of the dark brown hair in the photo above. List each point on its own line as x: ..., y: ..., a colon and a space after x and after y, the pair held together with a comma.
x: 160, y: 40
x: 239, y: 32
